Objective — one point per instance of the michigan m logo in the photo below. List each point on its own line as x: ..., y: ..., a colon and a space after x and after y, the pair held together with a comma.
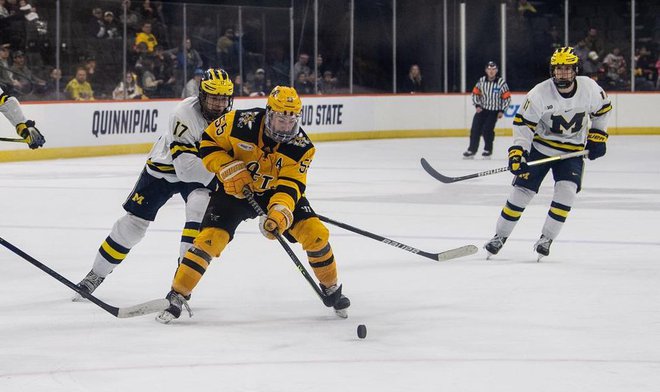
x: 559, y: 124
x: 137, y: 198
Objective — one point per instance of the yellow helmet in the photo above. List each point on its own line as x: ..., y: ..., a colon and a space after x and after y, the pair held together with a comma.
x: 564, y: 56
x: 283, y: 114
x: 215, y: 81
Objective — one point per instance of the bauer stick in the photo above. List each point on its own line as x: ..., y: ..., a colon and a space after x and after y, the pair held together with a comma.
x: 442, y: 256
x: 327, y: 300
x: 153, y: 306
x: 448, y: 180
x: 9, y: 139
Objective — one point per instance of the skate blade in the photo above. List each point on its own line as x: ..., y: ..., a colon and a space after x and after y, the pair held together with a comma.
x: 343, y: 313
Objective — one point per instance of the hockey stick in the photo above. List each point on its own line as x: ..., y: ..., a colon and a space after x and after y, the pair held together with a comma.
x: 138, y: 310
x: 327, y: 300
x: 448, y: 180
x: 442, y: 256
x: 9, y: 139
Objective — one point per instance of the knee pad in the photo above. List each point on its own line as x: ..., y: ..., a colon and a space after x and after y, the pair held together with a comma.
x: 565, y: 192
x: 212, y: 241
x: 311, y: 233
x: 129, y: 230
x: 196, y: 204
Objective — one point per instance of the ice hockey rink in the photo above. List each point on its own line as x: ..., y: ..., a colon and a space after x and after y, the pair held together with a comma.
x: 586, y: 318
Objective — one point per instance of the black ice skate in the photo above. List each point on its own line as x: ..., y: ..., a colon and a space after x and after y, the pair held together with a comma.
x: 89, y: 283
x: 469, y: 154
x: 486, y: 154
x: 494, y: 245
x: 341, y: 302
x: 177, y: 303
x: 542, y: 247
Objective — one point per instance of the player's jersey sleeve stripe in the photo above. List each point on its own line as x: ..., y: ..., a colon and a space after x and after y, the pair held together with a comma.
x: 520, y: 121
x: 160, y: 167
x: 566, y: 147
x: 606, y: 108
x: 177, y: 149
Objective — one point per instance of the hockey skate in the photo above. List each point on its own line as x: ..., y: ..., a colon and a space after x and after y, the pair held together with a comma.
x: 341, y: 302
x: 177, y: 303
x: 486, y: 154
x: 542, y: 247
x: 469, y: 154
x: 494, y: 245
x: 89, y: 283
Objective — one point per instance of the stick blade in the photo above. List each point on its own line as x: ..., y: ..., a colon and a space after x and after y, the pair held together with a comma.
x: 457, y: 252
x: 149, y: 307
x: 434, y: 173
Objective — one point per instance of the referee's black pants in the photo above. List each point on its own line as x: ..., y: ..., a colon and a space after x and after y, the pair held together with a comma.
x: 483, y: 124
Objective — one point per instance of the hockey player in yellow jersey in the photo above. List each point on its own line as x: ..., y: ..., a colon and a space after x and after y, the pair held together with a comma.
x: 173, y: 167
x: 558, y: 116
x: 266, y: 151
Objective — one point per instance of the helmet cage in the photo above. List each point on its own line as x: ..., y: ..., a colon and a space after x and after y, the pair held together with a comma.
x: 281, y: 127
x: 216, y: 82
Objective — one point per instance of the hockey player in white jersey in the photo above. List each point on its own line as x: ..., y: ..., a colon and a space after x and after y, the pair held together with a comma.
x: 558, y: 116
x: 25, y: 128
x: 173, y: 166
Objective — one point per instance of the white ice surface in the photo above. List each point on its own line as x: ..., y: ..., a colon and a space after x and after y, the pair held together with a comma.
x: 587, y: 318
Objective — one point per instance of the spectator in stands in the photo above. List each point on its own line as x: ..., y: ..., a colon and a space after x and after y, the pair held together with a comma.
x: 240, y: 88
x: 164, y: 68
x: 328, y: 83
x: 95, y: 24
x: 53, y: 89
x: 90, y: 67
x: 615, y: 70
x: 303, y: 85
x: 413, y: 82
x: 27, y: 81
x: 132, y: 17
x: 128, y: 88
x: 79, y: 88
x: 147, y: 37
x: 192, y: 58
x: 260, y: 86
x: 7, y: 80
x: 593, y: 42
x: 226, y: 50
x: 301, y: 66
x: 191, y: 89
x: 644, y: 70
x: 110, y: 26
x: 150, y: 84
x: 590, y: 65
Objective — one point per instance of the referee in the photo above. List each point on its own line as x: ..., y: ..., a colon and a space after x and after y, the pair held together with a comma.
x: 490, y: 96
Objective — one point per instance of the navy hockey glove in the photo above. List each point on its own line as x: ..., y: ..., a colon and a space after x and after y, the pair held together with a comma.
x: 596, y: 140
x: 517, y: 160
x: 30, y: 134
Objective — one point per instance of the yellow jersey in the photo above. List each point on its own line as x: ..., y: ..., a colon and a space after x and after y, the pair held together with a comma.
x: 282, y: 167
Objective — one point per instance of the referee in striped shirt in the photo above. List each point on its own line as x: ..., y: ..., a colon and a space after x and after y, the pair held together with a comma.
x: 490, y: 96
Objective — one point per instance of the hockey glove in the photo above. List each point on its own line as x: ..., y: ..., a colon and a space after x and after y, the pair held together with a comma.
x: 517, y: 160
x: 235, y: 177
x: 596, y: 143
x: 279, y: 218
x: 30, y: 134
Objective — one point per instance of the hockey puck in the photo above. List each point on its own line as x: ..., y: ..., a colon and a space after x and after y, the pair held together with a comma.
x: 362, y: 331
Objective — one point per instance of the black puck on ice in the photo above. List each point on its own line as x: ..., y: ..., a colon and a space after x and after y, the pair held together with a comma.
x: 362, y: 331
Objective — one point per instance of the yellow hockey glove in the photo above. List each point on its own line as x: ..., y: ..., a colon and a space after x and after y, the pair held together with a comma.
x: 279, y: 219
x: 30, y: 134
x: 235, y: 177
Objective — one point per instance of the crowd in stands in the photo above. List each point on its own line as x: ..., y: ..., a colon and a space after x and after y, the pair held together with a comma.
x: 159, y: 66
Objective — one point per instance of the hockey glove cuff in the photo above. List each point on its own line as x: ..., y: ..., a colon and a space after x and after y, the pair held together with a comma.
x: 30, y: 134
x: 517, y: 160
x: 279, y: 219
x: 235, y: 177
x: 596, y: 140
